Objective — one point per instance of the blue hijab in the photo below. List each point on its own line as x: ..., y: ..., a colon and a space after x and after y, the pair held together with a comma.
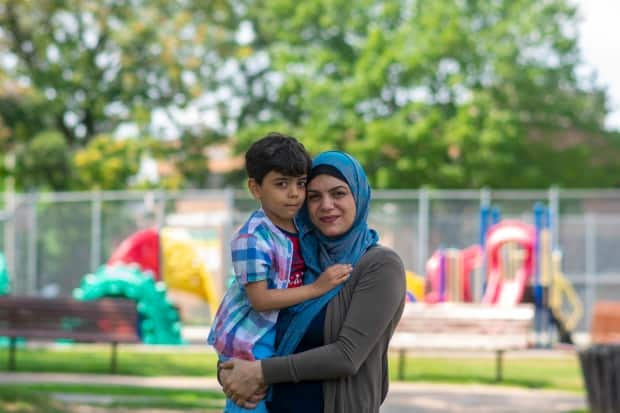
x: 320, y: 252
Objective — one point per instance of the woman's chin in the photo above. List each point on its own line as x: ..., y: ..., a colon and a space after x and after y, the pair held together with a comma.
x: 332, y: 231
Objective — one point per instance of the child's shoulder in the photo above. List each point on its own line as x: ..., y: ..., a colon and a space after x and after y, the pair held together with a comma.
x: 257, y: 225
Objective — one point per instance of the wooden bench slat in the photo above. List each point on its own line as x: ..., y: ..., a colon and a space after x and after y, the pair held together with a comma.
x: 458, y: 326
x: 106, y: 320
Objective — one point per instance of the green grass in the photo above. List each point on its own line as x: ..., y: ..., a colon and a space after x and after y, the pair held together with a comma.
x: 127, y: 396
x: 560, y: 372
x: 96, y: 360
x: 20, y: 400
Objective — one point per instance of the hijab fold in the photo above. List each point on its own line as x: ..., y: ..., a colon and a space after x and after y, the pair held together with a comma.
x: 320, y: 251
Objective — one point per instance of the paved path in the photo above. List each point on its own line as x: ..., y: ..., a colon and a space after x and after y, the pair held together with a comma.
x: 403, y: 397
x: 436, y: 398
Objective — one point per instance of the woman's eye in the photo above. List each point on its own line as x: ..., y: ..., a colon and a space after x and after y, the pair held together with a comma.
x: 313, y: 197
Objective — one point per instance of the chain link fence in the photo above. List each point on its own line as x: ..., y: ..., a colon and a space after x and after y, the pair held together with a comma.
x: 51, y: 240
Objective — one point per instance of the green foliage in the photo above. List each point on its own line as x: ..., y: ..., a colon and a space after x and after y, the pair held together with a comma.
x: 107, y: 163
x: 446, y: 94
x: 44, y: 162
x: 98, y: 64
x: 190, y: 158
x: 83, y: 68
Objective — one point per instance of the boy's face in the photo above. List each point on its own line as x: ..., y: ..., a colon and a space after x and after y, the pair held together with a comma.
x: 281, y: 196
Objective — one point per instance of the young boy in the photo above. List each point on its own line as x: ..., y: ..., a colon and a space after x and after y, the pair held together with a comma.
x: 267, y: 262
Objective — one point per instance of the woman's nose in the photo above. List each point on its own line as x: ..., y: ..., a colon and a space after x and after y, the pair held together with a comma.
x: 326, y: 203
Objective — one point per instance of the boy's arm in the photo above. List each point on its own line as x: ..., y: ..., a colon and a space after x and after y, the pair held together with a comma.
x: 252, y: 261
x: 267, y: 299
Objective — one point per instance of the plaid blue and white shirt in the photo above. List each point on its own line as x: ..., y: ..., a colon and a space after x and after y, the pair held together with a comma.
x: 260, y: 251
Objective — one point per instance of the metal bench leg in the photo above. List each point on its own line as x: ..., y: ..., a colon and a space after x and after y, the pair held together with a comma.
x: 401, y: 364
x: 113, y: 358
x: 12, y: 349
x: 498, y: 365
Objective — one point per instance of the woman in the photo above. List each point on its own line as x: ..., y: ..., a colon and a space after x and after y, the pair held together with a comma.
x: 339, y: 342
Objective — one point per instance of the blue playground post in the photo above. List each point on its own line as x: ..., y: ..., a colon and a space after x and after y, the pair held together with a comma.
x: 539, y: 212
x: 542, y: 319
x: 496, y: 215
x: 485, y: 212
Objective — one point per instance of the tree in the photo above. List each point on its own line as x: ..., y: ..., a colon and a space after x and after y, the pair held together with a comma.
x: 100, y: 63
x: 44, y: 163
x: 448, y: 94
x: 107, y: 163
x: 190, y: 159
x: 84, y: 67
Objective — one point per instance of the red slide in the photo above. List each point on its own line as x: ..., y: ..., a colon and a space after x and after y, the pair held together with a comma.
x: 141, y: 248
x: 501, y: 291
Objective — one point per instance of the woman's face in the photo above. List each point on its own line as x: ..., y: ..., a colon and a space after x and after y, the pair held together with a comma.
x: 331, y: 205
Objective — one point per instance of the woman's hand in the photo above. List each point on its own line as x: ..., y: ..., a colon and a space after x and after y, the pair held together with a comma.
x: 243, y: 382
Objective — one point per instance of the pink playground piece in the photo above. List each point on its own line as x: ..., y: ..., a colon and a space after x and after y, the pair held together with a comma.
x: 500, y: 291
x: 436, y: 269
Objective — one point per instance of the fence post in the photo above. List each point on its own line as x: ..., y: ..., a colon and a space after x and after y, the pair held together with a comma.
x: 423, y: 229
x: 554, y: 216
x: 590, y: 264
x: 160, y: 212
x: 10, y: 203
x: 95, y: 231
x: 31, y: 265
x: 481, y: 270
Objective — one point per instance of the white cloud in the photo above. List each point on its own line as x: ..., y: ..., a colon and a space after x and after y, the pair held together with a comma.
x: 599, y: 34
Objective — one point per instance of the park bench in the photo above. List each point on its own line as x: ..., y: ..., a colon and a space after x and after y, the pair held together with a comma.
x: 109, y: 320
x: 462, y: 327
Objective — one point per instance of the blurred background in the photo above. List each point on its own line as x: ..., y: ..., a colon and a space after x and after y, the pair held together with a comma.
x: 122, y: 116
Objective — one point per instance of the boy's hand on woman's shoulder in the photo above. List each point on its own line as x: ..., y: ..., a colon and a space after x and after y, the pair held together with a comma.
x: 333, y: 276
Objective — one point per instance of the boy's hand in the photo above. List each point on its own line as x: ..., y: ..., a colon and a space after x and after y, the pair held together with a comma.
x: 333, y: 276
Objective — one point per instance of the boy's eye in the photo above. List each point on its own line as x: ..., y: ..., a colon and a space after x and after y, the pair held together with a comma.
x: 301, y: 184
x: 281, y: 184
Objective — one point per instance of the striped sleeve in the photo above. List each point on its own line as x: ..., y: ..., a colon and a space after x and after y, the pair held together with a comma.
x: 251, y: 259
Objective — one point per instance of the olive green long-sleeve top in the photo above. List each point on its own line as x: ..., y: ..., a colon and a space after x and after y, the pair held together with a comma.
x: 359, y: 323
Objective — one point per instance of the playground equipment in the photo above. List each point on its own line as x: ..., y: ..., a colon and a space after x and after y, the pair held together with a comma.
x: 140, y: 248
x: 5, y: 281
x: 148, y: 265
x: 415, y: 286
x: 175, y: 258
x: 514, y: 262
x: 501, y: 290
x: 563, y: 301
x: 185, y: 265
x: 159, y: 320
x: 448, y: 274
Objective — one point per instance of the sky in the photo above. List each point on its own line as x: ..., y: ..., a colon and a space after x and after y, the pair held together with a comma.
x: 600, y: 45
